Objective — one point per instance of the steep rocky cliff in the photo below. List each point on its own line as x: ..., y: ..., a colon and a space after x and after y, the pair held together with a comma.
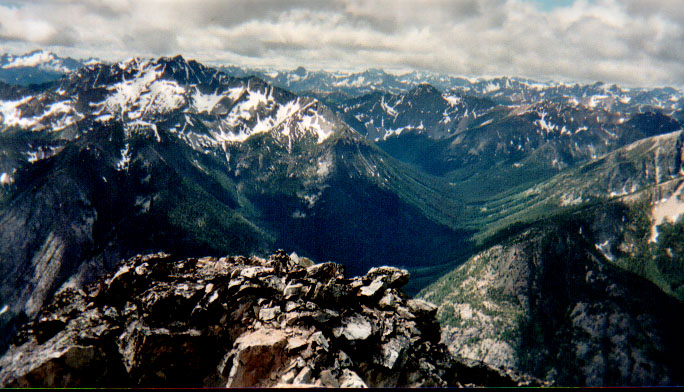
x: 239, y: 322
x: 549, y: 303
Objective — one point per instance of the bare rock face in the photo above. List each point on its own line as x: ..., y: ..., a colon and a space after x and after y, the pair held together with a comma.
x: 238, y: 322
x: 547, y: 304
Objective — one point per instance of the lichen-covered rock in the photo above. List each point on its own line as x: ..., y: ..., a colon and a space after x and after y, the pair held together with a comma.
x: 237, y: 322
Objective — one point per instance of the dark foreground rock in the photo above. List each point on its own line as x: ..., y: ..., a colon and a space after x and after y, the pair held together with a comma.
x: 239, y: 322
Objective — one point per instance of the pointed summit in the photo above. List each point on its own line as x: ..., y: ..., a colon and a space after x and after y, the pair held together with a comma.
x: 300, y: 71
x: 424, y: 89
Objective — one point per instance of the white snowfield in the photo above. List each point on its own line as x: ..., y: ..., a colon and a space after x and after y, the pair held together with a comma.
x: 667, y: 210
x: 56, y: 116
x: 205, y: 103
x: 144, y: 94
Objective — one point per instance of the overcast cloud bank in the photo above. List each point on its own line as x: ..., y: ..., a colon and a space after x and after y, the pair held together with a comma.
x: 629, y: 42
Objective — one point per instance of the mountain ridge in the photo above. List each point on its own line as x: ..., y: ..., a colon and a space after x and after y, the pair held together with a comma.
x: 158, y: 161
x: 36, y: 67
x: 144, y: 155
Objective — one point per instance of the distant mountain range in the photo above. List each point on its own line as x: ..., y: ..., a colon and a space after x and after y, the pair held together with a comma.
x: 37, y: 67
x: 462, y: 128
x: 503, y: 90
x: 499, y: 195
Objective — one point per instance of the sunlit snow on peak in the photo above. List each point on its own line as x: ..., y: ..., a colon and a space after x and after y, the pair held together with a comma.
x: 145, y: 94
x: 31, y: 60
x: 205, y: 102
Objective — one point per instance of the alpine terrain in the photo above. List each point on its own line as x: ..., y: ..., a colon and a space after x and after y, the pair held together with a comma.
x: 542, y: 220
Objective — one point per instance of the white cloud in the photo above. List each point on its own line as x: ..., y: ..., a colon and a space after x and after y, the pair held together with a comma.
x: 17, y: 25
x: 630, y: 42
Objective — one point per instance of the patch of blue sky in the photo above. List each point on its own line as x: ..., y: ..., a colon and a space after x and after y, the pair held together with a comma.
x: 549, y: 5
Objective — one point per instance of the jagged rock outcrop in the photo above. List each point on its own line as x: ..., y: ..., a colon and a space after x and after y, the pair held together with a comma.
x: 238, y: 322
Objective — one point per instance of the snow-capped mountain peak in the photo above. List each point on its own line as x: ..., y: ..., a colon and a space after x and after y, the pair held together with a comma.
x: 33, y: 59
x: 42, y: 59
x: 38, y: 66
x: 198, y: 104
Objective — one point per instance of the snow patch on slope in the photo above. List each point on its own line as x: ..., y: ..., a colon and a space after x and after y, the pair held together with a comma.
x: 284, y: 112
x: 243, y: 112
x: 43, y: 153
x: 595, y: 100
x: 324, y: 165
x: 544, y: 124
x: 11, y: 115
x: 388, y: 109
x: 318, y: 125
x: 235, y: 93
x: 145, y: 94
x: 453, y: 100
x: 667, y: 210
x: 491, y: 87
x: 244, y: 109
x: 205, y: 102
x: 58, y: 115
x: 604, y: 248
x: 6, y: 179
x: 125, y: 158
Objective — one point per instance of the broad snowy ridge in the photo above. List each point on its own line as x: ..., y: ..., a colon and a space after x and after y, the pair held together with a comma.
x: 148, y: 94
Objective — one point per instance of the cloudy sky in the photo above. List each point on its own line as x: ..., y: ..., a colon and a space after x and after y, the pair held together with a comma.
x: 630, y: 42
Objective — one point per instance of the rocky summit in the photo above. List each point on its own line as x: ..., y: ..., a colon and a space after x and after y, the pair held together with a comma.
x: 239, y: 322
